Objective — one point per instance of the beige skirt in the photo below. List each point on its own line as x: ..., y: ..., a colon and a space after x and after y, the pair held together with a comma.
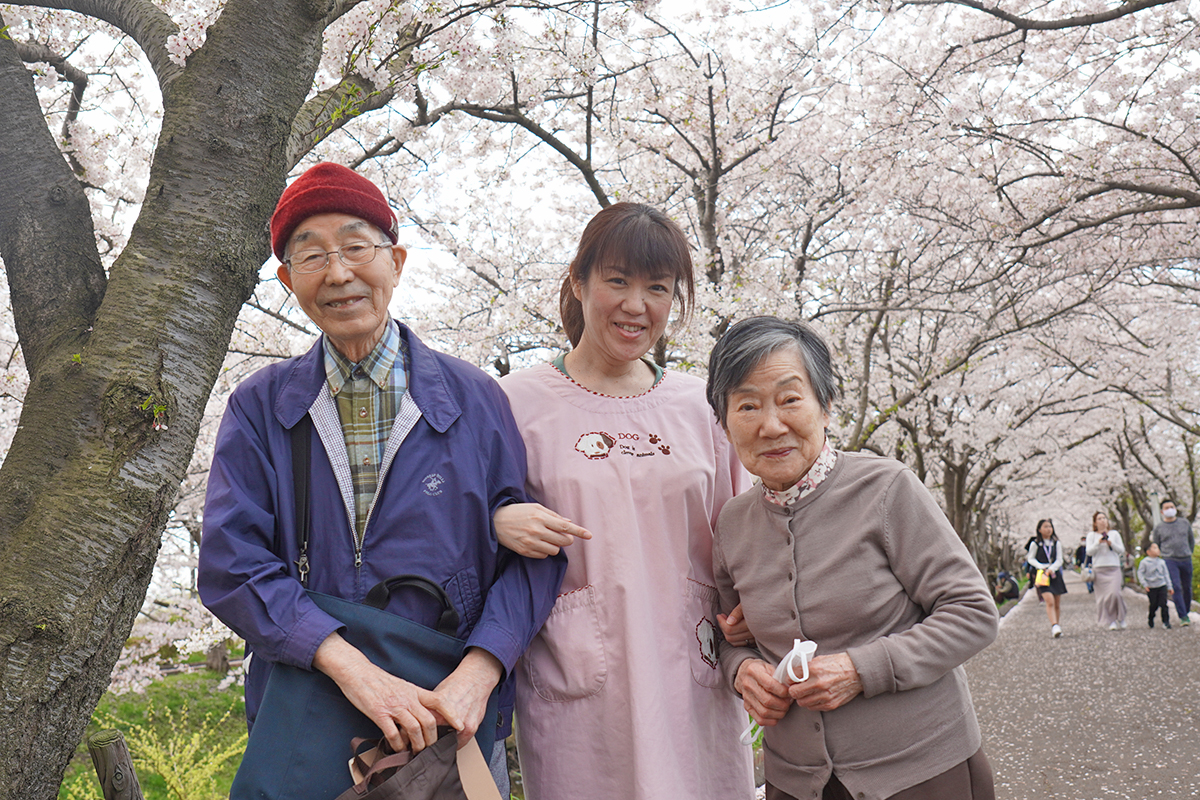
x: 1110, y: 605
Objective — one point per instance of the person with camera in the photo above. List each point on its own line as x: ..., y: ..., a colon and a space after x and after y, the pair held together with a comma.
x: 1106, y: 549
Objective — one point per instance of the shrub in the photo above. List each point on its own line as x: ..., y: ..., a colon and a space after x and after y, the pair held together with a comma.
x: 189, y: 757
x: 186, y: 738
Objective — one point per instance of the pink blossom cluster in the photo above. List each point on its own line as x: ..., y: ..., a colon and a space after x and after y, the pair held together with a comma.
x: 187, y: 41
x: 164, y: 635
x: 192, y: 18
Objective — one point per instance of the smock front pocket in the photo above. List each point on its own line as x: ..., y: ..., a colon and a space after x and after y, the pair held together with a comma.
x: 566, y: 659
x: 700, y: 608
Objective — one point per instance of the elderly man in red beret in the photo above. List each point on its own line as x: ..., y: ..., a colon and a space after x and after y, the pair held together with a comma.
x: 412, y: 451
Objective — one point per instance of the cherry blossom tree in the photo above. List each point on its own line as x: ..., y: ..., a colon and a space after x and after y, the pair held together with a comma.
x: 1139, y: 354
x: 133, y: 209
x: 859, y: 190
x: 683, y: 114
x: 1075, y: 132
x: 993, y: 223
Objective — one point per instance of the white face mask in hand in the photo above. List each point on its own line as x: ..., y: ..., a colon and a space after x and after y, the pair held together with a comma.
x: 802, y: 651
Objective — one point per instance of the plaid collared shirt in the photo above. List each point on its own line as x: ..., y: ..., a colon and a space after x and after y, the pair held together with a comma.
x: 368, y: 396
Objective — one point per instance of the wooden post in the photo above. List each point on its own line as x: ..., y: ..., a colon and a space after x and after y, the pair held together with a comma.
x: 114, y: 767
x: 217, y: 658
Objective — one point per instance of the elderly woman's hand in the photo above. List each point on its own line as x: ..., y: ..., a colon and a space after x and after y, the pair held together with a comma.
x: 764, y: 697
x: 832, y: 682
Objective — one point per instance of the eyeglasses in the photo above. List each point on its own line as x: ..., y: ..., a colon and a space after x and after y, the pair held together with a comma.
x: 354, y: 254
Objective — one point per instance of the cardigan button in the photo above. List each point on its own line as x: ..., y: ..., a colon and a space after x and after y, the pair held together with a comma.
x: 816, y: 726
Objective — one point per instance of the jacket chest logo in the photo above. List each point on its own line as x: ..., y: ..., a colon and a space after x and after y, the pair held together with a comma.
x: 432, y: 484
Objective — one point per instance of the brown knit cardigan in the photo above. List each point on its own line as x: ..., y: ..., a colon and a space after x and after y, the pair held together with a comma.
x: 868, y: 565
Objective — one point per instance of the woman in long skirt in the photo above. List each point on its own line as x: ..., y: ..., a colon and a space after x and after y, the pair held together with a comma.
x: 1106, y: 549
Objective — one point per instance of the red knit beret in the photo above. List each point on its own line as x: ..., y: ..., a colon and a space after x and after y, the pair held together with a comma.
x: 329, y: 189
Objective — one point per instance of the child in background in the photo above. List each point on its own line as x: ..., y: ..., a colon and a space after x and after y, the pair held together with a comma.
x: 1046, y: 555
x: 1152, y: 574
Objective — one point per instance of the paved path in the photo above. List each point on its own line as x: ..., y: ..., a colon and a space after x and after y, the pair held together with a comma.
x: 1095, y: 714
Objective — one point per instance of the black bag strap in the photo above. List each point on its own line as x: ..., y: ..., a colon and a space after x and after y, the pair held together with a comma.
x: 382, y: 591
x: 301, y: 440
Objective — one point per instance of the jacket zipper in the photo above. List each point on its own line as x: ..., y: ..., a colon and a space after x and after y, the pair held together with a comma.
x: 360, y: 540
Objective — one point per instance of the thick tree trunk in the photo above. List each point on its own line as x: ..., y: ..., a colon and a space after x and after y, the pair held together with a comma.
x: 89, y: 479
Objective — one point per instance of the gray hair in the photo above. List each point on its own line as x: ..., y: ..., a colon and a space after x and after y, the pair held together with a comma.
x: 746, y: 344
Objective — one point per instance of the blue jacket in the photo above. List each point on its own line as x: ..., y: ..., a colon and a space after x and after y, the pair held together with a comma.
x: 461, y: 459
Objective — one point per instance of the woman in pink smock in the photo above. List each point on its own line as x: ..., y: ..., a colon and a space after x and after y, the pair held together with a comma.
x: 620, y: 695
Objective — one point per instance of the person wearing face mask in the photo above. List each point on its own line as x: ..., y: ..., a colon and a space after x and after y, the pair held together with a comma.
x: 1175, y: 538
x: 1106, y: 549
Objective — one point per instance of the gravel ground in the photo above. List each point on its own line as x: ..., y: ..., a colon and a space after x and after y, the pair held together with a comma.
x: 1095, y: 714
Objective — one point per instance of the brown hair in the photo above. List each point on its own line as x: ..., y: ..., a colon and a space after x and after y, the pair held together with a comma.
x: 636, y: 239
x: 1097, y: 514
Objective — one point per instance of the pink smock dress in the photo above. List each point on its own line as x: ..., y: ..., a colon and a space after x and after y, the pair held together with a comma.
x: 620, y: 695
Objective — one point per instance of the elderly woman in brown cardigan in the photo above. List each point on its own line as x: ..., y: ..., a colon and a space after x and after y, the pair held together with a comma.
x: 851, y: 551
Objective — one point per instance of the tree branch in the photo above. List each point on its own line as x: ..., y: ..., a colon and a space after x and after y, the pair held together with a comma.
x: 514, y: 116
x: 277, y: 316
x: 1018, y: 22
x: 56, y: 287
x: 35, y: 52
x: 331, y: 110
x: 141, y: 20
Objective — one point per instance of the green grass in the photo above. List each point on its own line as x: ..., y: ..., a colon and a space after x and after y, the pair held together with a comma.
x: 173, y: 709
